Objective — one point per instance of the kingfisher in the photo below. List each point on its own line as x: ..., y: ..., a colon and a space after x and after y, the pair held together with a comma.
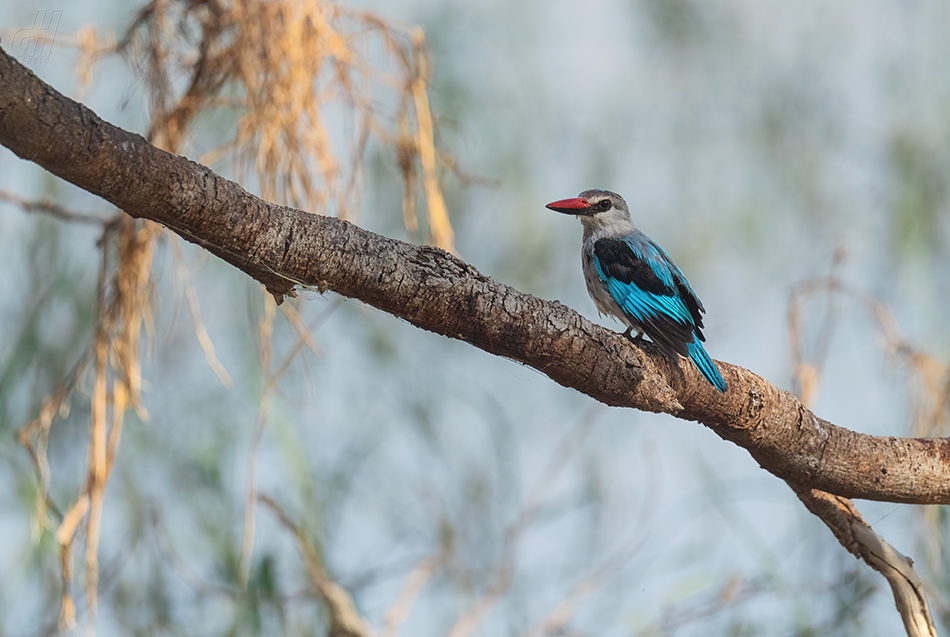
x: 633, y: 279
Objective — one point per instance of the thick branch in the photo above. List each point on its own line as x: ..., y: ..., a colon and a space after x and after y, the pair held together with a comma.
x: 431, y: 289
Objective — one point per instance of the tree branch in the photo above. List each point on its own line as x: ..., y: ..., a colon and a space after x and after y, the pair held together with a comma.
x: 859, y: 538
x: 52, y: 209
x: 282, y: 247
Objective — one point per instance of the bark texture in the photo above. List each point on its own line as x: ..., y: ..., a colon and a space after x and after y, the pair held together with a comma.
x: 282, y: 247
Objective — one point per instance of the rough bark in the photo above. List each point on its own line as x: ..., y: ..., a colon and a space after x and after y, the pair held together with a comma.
x: 282, y: 247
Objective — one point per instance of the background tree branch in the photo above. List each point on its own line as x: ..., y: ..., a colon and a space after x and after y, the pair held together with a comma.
x: 282, y: 247
x: 856, y: 535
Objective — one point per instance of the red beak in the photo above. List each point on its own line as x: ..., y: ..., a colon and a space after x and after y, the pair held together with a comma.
x: 576, y: 206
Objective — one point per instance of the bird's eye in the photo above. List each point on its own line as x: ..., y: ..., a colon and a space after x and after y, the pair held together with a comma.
x: 603, y: 205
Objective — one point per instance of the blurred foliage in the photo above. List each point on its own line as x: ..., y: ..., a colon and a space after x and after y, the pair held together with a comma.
x: 921, y: 195
x: 682, y: 24
x: 48, y: 331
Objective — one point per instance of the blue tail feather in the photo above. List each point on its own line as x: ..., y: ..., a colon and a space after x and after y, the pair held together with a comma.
x: 705, y: 365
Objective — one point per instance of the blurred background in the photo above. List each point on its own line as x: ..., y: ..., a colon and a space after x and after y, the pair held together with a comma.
x: 766, y: 145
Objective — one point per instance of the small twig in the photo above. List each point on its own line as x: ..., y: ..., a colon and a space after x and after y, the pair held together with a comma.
x: 411, y: 588
x: 194, y: 307
x: 345, y: 621
x: 39, y: 427
x: 50, y: 208
x: 304, y: 332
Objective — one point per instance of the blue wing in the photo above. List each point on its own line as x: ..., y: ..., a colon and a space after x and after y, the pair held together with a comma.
x: 656, y: 297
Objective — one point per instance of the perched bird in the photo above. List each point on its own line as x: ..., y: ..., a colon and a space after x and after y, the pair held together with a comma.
x: 632, y: 278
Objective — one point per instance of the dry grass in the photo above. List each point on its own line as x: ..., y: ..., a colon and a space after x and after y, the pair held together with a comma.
x: 291, y: 70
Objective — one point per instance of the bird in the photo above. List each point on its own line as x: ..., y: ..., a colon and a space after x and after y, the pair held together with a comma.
x: 629, y: 276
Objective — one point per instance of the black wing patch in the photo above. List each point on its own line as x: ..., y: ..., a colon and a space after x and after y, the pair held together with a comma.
x: 619, y: 262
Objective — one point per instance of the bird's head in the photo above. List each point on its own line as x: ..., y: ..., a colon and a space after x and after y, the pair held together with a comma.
x: 595, y: 209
